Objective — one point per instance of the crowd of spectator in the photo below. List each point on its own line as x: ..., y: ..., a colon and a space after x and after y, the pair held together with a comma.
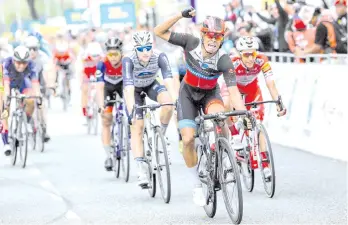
x: 291, y: 26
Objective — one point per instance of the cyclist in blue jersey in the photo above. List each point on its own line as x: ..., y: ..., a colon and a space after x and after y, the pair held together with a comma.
x: 19, y: 72
x: 139, y: 72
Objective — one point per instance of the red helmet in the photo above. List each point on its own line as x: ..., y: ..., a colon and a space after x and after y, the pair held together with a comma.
x: 213, y: 24
x: 343, y: 2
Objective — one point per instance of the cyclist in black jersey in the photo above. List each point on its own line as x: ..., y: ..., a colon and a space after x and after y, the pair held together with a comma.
x: 206, y: 62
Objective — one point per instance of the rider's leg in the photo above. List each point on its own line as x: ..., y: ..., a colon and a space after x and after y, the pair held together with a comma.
x: 84, y: 96
x: 106, y: 136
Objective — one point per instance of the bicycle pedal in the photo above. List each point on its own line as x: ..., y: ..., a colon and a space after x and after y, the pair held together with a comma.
x: 144, y: 186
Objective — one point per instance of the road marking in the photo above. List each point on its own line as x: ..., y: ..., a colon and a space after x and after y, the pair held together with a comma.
x: 49, y: 186
x: 70, y: 215
x: 56, y: 197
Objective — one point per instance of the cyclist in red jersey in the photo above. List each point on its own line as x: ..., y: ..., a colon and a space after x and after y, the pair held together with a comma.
x: 248, y: 65
x: 91, y: 57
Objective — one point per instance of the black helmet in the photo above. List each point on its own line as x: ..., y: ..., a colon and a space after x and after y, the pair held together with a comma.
x: 114, y: 43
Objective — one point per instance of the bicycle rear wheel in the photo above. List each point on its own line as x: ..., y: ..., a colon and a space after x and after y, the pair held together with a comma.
x: 267, y: 160
x: 125, y: 150
x: 148, y: 155
x: 162, y: 165
x: 65, y: 96
x: 23, y: 140
x: 248, y: 174
x: 234, y: 178
x: 210, y: 193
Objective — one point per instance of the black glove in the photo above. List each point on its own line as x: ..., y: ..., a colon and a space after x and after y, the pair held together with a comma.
x: 185, y: 12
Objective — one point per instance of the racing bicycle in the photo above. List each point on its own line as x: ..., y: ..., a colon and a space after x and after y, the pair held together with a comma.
x: 63, y: 85
x: 120, y: 136
x: 155, y: 149
x: 217, y: 167
x: 92, y: 107
x: 18, y: 130
x: 252, y: 157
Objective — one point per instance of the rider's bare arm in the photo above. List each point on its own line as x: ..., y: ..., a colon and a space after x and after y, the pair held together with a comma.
x: 226, y: 67
x: 268, y: 74
x: 162, y: 30
x: 128, y: 82
x: 163, y: 64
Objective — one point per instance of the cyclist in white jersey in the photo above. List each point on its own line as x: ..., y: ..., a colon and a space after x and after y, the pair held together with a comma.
x: 139, y: 72
x: 40, y: 59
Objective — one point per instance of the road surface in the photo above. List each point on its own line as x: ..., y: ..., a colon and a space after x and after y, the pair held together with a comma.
x: 67, y: 184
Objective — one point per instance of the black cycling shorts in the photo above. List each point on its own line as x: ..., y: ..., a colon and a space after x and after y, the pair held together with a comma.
x: 191, y: 100
x: 152, y: 92
x: 110, y: 91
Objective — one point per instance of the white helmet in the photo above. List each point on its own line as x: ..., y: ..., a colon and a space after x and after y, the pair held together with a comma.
x: 21, y: 54
x: 31, y: 42
x: 62, y: 47
x: 247, y: 43
x: 142, y: 38
x: 94, y: 49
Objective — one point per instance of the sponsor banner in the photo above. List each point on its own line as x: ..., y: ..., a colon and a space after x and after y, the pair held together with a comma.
x: 119, y: 14
x: 314, y: 96
x: 75, y: 16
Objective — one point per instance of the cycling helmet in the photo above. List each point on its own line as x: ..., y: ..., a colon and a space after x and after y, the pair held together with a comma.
x: 247, y: 43
x: 213, y: 24
x: 21, y: 54
x: 37, y: 35
x: 94, y: 49
x: 113, y: 42
x: 62, y: 47
x: 31, y: 42
x: 142, y: 38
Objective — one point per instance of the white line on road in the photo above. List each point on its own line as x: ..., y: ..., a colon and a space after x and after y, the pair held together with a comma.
x: 49, y: 186
x: 70, y: 215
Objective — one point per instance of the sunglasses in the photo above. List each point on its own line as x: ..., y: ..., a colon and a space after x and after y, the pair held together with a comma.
x: 248, y: 54
x: 115, y: 54
x: 34, y: 49
x: 21, y: 63
x: 142, y: 48
x: 212, y: 35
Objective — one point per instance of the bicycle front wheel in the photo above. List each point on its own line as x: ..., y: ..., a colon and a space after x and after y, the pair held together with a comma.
x: 23, y: 140
x: 267, y: 161
x: 116, y: 154
x: 12, y: 138
x: 125, y: 151
x: 162, y: 165
x: 229, y: 175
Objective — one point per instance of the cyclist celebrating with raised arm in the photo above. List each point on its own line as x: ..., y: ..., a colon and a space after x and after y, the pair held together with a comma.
x: 139, y: 75
x: 205, y: 63
x: 19, y: 73
x: 109, y: 81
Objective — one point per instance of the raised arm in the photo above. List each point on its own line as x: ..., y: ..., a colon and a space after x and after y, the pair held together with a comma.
x: 162, y: 30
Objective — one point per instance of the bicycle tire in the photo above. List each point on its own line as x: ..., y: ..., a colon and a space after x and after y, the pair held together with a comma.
x: 96, y: 119
x: 23, y: 145
x: 65, y: 94
x: 211, y: 201
x: 42, y: 134
x: 116, y: 162
x: 225, y: 147
x: 125, y: 152
x: 151, y: 176
x: 13, y: 140
x: 166, y: 194
x: 250, y: 172
x: 271, y: 192
x: 33, y: 135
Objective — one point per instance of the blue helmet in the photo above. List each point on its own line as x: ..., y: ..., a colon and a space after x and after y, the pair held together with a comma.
x: 37, y: 35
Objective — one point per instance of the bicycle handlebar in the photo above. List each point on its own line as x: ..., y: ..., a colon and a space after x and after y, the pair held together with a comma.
x: 221, y: 115
x: 279, y: 102
x: 154, y: 106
